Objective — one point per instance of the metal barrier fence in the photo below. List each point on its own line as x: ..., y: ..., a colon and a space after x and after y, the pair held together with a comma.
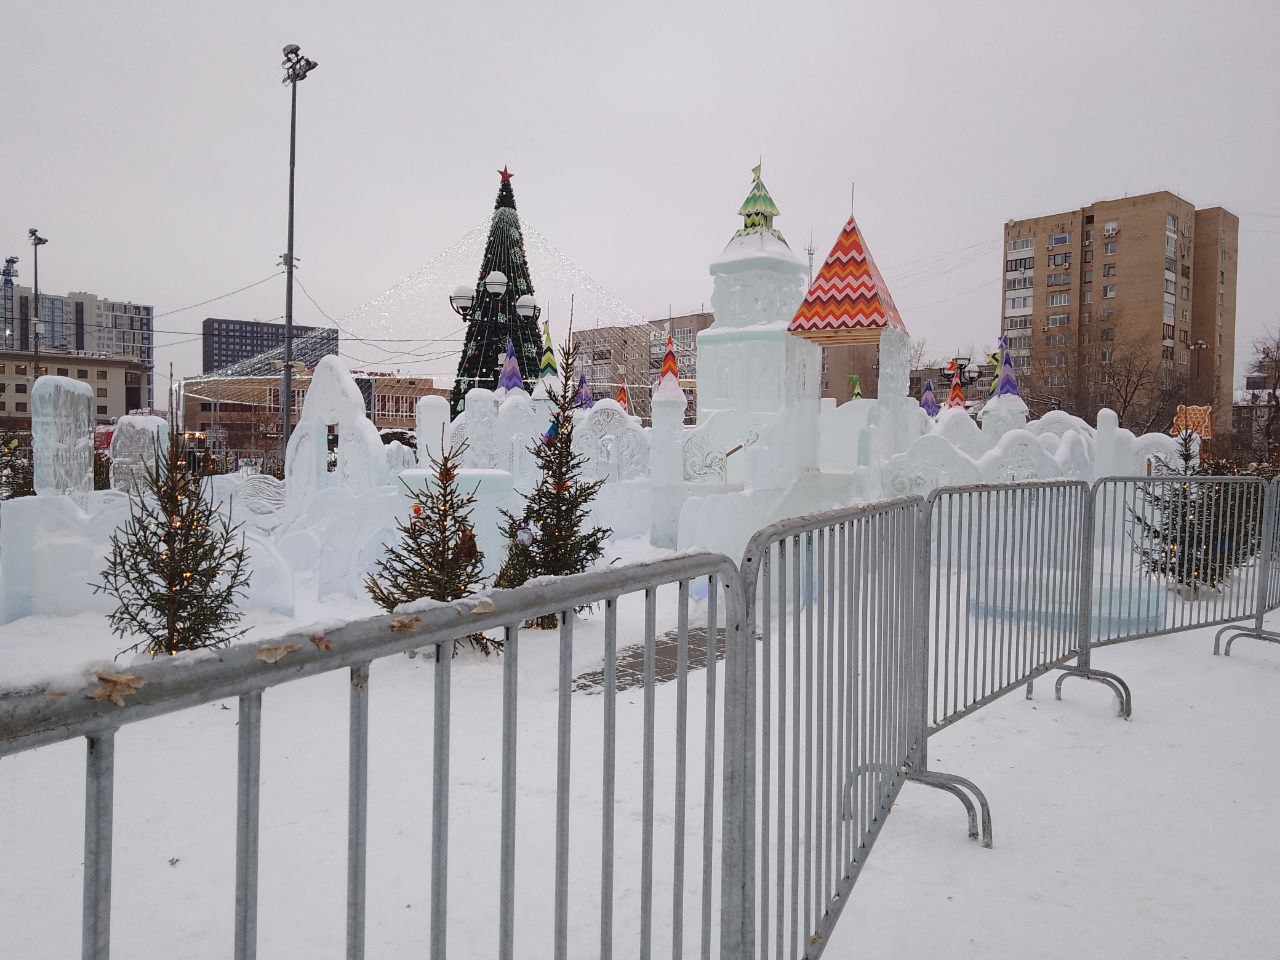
x: 830, y: 600
x: 849, y: 638
x: 36, y: 716
x: 1170, y: 553
x: 990, y: 626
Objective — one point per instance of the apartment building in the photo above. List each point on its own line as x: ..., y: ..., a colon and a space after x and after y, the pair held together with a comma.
x: 120, y: 384
x: 1126, y: 303
x: 79, y: 323
x: 227, y: 342
x: 607, y: 354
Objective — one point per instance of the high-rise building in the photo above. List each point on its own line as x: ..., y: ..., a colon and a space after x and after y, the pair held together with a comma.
x: 81, y: 323
x: 1126, y: 303
x: 227, y: 342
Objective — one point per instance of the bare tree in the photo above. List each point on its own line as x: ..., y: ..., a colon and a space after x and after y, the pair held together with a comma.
x: 1266, y: 363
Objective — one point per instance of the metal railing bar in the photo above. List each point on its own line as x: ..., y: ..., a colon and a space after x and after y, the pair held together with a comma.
x: 507, y: 851
x: 357, y: 808
x: 564, y: 743
x: 443, y: 686
x: 95, y: 935
x: 249, y: 753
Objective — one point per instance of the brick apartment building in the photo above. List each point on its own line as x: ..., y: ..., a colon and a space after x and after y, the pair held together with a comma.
x: 1127, y: 303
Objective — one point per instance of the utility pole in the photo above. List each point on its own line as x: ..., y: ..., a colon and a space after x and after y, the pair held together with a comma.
x: 37, y: 242
x: 296, y: 67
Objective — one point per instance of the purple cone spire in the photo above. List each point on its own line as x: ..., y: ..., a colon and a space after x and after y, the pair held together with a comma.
x: 510, y: 378
x: 1006, y: 381
x: 928, y: 402
x: 583, y: 397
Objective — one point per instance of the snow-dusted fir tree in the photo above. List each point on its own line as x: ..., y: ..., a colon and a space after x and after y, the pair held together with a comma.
x: 550, y: 537
x: 437, y: 556
x: 177, y: 566
x: 1196, y: 534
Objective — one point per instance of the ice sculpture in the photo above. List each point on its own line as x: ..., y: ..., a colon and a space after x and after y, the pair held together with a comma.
x: 62, y: 436
x: 333, y: 399
x: 136, y: 444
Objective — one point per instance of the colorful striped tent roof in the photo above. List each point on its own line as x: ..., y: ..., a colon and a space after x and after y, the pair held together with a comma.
x: 848, y: 301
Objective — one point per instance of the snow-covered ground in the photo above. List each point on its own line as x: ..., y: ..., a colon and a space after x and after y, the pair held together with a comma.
x: 1151, y: 838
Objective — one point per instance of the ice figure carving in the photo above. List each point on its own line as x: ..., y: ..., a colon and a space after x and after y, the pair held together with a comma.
x: 62, y: 436
x: 333, y: 398
x: 135, y: 445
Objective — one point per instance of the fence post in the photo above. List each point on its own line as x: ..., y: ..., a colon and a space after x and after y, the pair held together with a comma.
x: 1264, y: 555
x: 737, y: 937
x: 920, y: 592
x: 1084, y: 660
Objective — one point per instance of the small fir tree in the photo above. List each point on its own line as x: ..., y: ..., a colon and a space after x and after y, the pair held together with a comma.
x: 177, y: 566
x: 17, y: 474
x: 550, y: 536
x: 1196, y: 534
x: 437, y: 556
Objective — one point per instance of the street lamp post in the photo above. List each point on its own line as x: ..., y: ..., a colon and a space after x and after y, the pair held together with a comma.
x: 296, y: 67
x: 37, y: 242
x: 1197, y: 347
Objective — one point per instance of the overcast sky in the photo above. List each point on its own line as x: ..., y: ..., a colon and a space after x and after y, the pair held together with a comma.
x: 149, y: 141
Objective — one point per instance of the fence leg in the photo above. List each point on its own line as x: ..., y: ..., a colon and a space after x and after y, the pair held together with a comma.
x: 956, y: 786
x: 1266, y: 558
x: 1084, y: 662
x: 1117, y: 686
x: 950, y: 783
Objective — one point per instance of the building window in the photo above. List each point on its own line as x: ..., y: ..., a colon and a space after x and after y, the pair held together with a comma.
x: 19, y: 388
x: 1057, y: 320
x: 1058, y: 239
x: 1059, y: 299
x: 1171, y: 222
x: 1055, y: 339
x: 1106, y: 355
x: 1021, y: 263
x: 1088, y: 256
x: 102, y: 391
x: 62, y: 371
x: 1108, y: 291
x: 20, y: 369
x: 1108, y: 334
x: 1111, y: 228
x: 1182, y: 336
x: 1088, y: 276
x: 102, y: 374
x: 1019, y: 303
x: 1168, y: 331
x: 20, y: 407
x: 1017, y: 323
x: 1186, y: 271
x: 1109, y: 248
x: 1059, y: 279
x: 1088, y: 235
x: 102, y: 410
x: 1108, y: 269
x: 1020, y: 283
x: 1021, y: 243
x: 1059, y: 259
x: 82, y: 374
x: 1183, y: 356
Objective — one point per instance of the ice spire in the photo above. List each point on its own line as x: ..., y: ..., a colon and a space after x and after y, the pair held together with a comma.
x: 548, y: 370
x: 1006, y: 383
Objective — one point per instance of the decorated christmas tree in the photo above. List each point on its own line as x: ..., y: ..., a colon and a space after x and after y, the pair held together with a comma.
x: 1196, y: 534
x: 437, y: 556
x: 928, y: 402
x: 177, y: 566
x: 493, y: 319
x: 550, y: 537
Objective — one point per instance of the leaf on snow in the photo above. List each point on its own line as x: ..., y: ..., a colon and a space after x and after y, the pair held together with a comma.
x: 273, y: 654
x: 322, y: 642
x: 401, y: 624
x: 115, y: 686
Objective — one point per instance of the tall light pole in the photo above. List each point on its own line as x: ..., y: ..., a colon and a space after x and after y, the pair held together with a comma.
x: 296, y: 67
x: 37, y: 242
x: 1197, y: 347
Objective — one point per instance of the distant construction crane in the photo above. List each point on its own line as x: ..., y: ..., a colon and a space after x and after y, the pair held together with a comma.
x: 6, y: 300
